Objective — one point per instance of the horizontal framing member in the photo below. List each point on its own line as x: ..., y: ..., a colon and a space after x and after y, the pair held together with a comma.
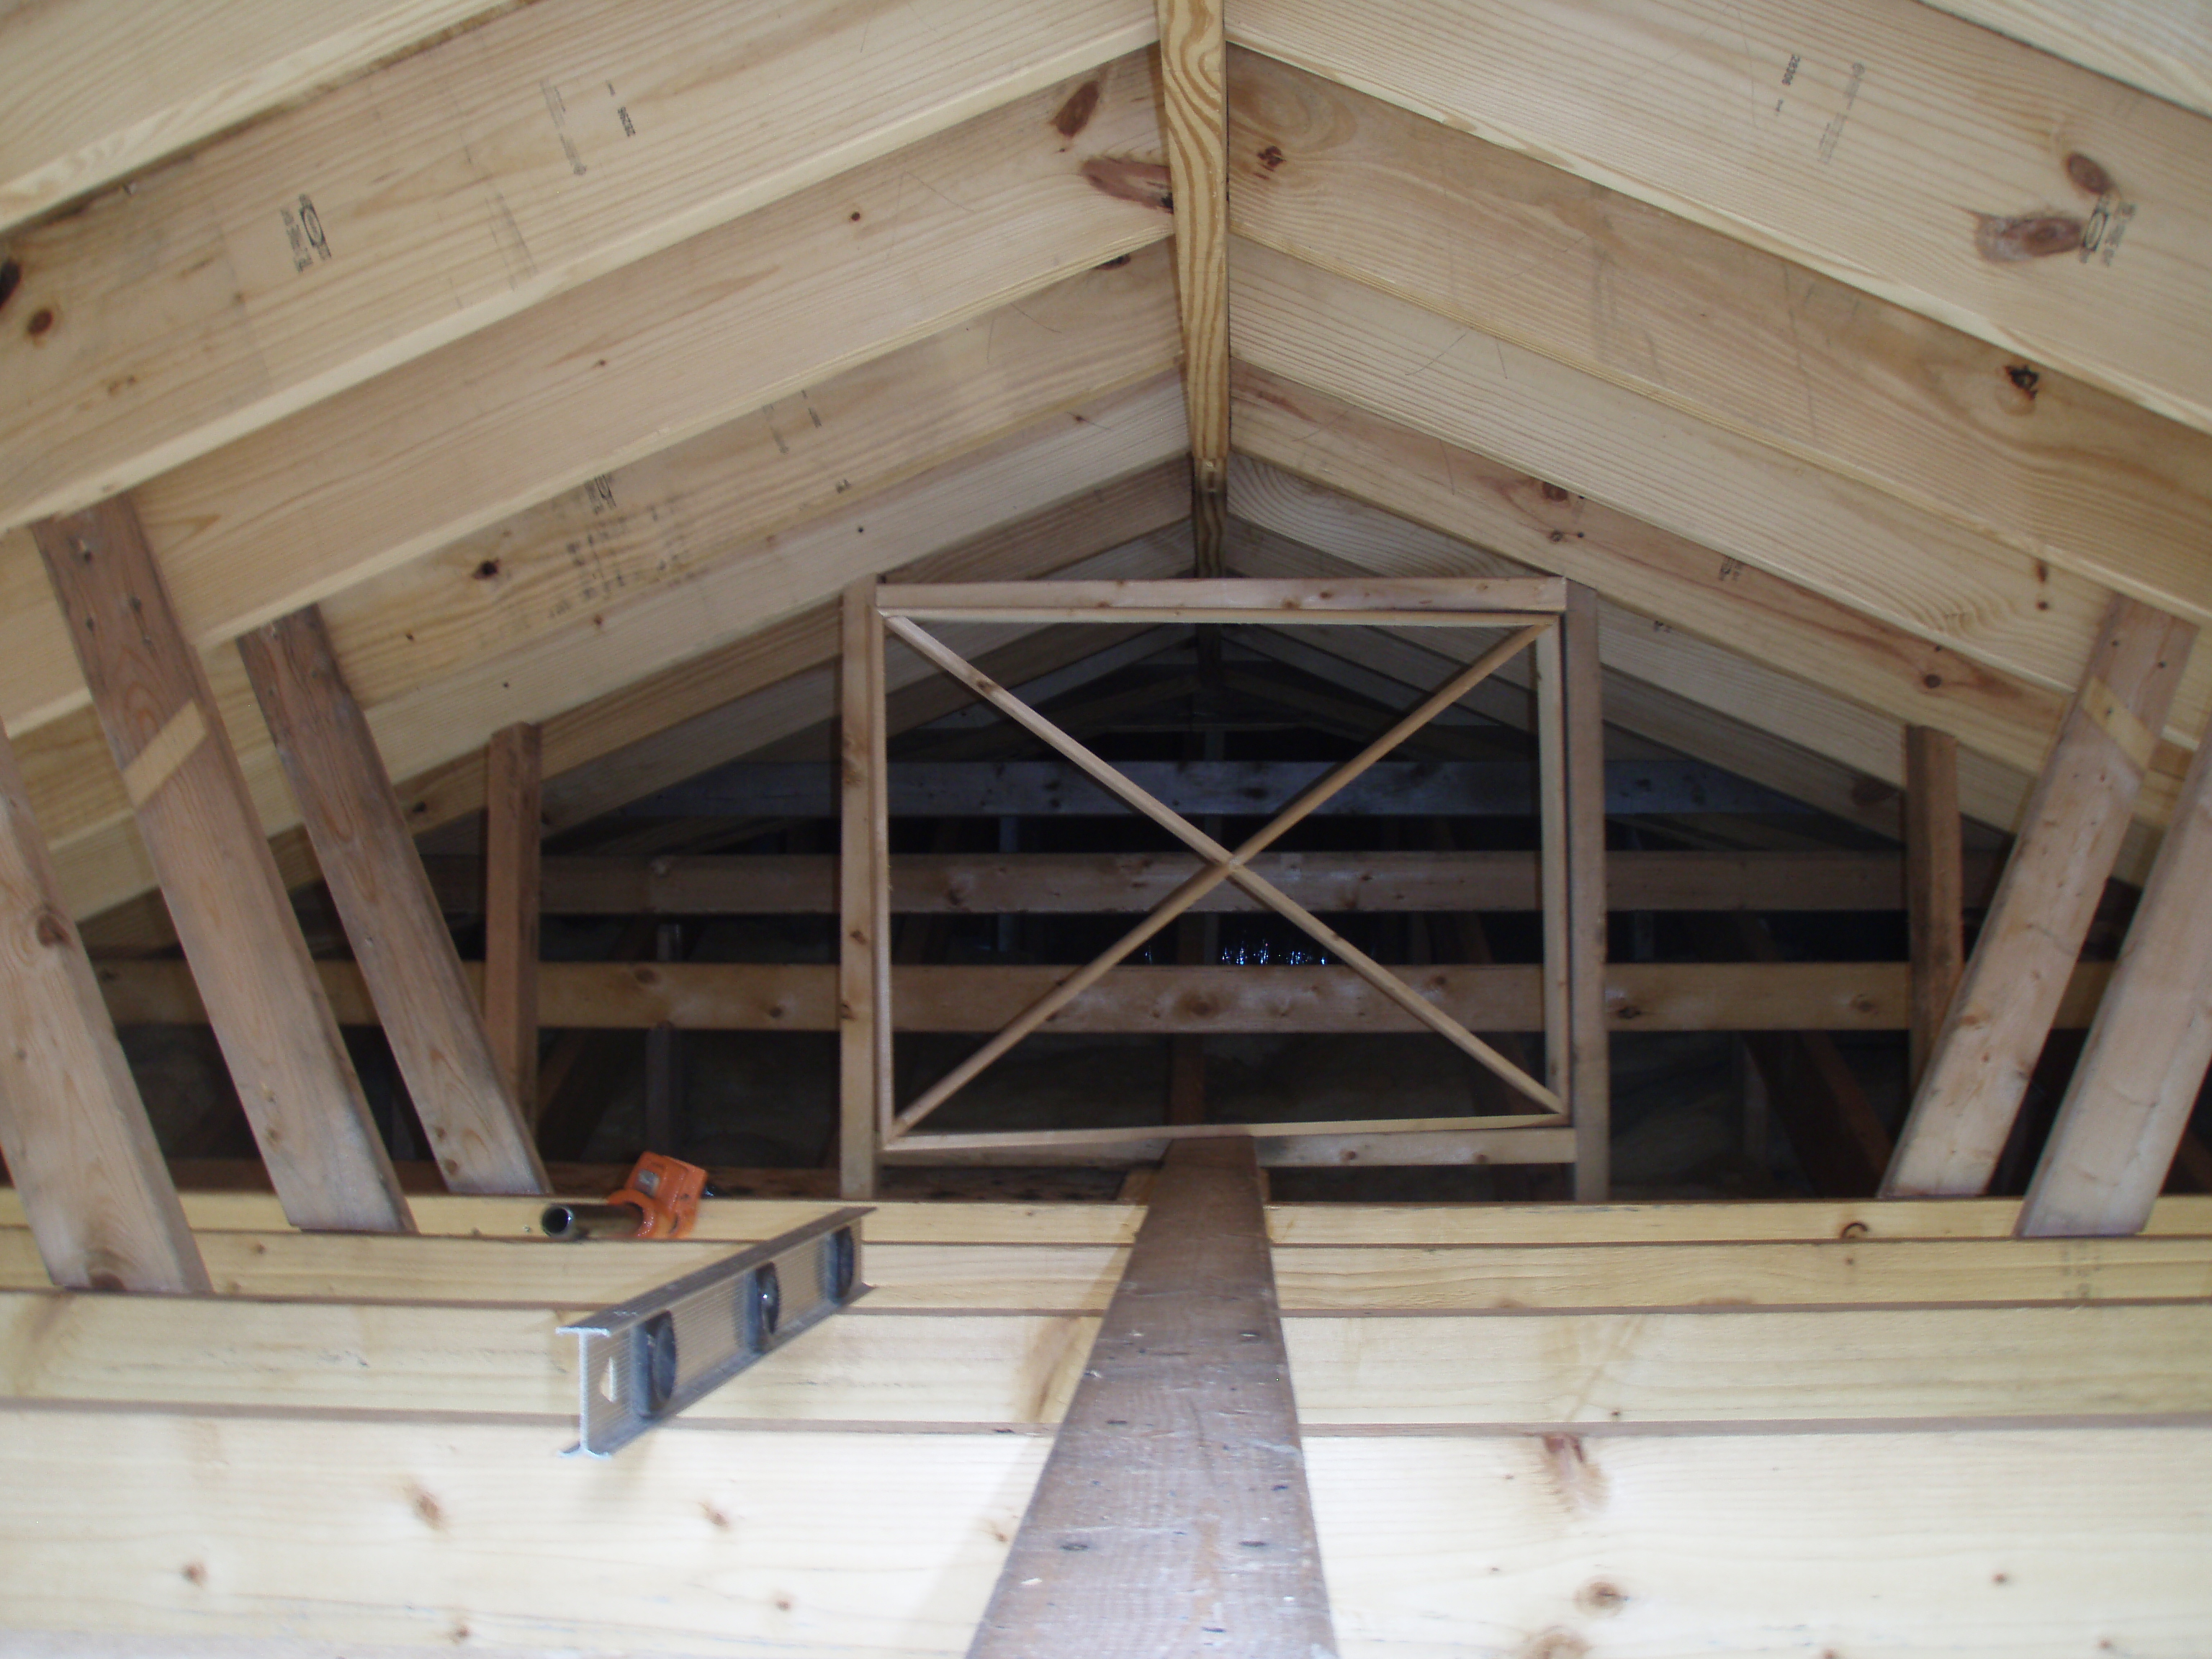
x: 973, y: 883
x: 1412, y: 1279
x: 1376, y: 1146
x: 1893, y: 120
x: 1709, y: 1366
x: 459, y: 187
x: 1796, y: 996
x: 1495, y: 603
x: 994, y: 1222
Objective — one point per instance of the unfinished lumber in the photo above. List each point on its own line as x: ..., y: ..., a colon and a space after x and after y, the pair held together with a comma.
x: 1934, y: 884
x: 2002, y: 1010
x: 1081, y: 884
x: 513, y: 781
x: 2138, y: 1080
x: 1194, y: 122
x: 1963, y: 429
x: 1581, y: 751
x: 2162, y: 47
x: 1889, y: 570
x: 2038, y: 1542
x: 1796, y: 996
x: 460, y: 186
x: 1173, y: 1509
x: 88, y: 104
x: 864, y: 1077
x: 72, y: 1126
x: 248, y: 960
x: 1907, y: 153
x: 461, y: 1090
x: 676, y: 635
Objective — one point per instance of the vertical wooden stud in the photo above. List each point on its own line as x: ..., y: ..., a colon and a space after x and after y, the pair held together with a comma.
x: 205, y: 840
x: 1552, y: 857
x: 1583, y: 730
x: 1934, y: 885
x: 864, y: 1013
x: 353, y: 816
x: 2070, y: 833
x: 94, y: 1188
x: 514, y: 792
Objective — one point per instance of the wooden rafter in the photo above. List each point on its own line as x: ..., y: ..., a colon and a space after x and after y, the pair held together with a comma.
x: 514, y: 786
x: 1934, y: 885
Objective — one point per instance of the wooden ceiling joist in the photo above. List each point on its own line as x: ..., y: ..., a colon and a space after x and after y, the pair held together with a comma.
x: 1887, y: 568
x: 1977, y: 1072
x: 1963, y: 430
x: 465, y: 1098
x: 1905, y: 152
x: 278, y: 1036
x: 465, y: 185
x: 2161, y: 46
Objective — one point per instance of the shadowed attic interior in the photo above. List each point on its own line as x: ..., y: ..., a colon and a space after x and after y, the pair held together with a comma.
x: 473, y: 430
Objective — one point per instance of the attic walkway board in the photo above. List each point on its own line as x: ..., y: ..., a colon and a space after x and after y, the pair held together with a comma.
x: 1027, y: 788
x: 1172, y: 1516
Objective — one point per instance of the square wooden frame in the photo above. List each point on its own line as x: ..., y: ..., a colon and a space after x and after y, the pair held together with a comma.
x: 1554, y: 618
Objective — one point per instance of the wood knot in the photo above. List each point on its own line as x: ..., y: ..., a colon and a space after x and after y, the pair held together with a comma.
x: 52, y: 928
x: 2088, y: 177
x: 1272, y: 157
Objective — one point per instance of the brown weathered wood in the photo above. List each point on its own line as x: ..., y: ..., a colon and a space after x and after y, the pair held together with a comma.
x: 864, y: 978
x: 2124, y: 1114
x: 456, y: 1084
x: 1934, y: 884
x: 254, y: 973
x: 1172, y: 1517
x: 1077, y: 883
x: 2076, y: 819
x: 1589, y: 1085
x: 1195, y: 121
x: 72, y: 1127
x: 513, y: 793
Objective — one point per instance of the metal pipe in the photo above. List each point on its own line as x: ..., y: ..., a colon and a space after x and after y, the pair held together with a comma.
x: 591, y: 1220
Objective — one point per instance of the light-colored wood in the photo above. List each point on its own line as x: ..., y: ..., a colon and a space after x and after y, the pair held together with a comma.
x: 864, y: 922
x: 1934, y: 885
x: 1194, y: 125
x: 1586, y: 1033
x: 1223, y: 865
x: 248, y: 959
x: 1907, y: 153
x: 1458, y: 604
x: 2129, y: 1103
x: 247, y: 534
x: 1382, y: 1144
x: 1044, y: 1139
x: 1713, y: 699
x: 1547, y: 685
x: 515, y: 774
x: 2028, y: 1543
x: 605, y: 676
x: 2163, y: 46
x: 89, y: 96
x: 2002, y: 1012
x: 459, y: 1088
x: 72, y: 1126
x: 1173, y: 1508
x: 1081, y: 884
x: 1796, y: 996
x: 1966, y: 431
x: 1759, y: 534
x: 1717, y: 1367
x: 459, y: 187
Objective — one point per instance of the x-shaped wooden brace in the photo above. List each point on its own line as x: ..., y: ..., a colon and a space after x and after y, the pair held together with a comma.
x: 1223, y: 865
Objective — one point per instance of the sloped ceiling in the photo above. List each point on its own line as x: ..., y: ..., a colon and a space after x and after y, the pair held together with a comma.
x: 574, y: 361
